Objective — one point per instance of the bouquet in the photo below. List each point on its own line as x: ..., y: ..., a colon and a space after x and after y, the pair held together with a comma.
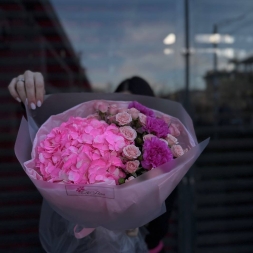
x: 107, y: 164
x: 117, y: 143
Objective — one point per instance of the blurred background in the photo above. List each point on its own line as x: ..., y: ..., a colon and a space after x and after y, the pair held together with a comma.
x: 197, y: 52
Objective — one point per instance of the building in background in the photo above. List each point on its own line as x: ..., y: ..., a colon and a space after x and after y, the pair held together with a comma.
x: 234, y: 93
x: 198, y: 106
x: 230, y: 102
x: 31, y: 37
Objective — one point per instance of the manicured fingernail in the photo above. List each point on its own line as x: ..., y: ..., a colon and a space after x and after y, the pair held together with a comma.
x: 33, y: 106
x: 18, y: 99
x: 39, y: 103
x: 26, y: 101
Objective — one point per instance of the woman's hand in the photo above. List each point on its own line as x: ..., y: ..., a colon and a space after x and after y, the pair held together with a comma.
x: 28, y: 88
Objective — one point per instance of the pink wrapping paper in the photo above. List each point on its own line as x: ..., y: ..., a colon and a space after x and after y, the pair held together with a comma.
x: 119, y: 207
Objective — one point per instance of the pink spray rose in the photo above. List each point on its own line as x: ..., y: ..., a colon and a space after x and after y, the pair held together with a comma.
x: 111, y: 119
x: 161, y: 139
x: 171, y: 139
x: 167, y: 119
x: 177, y: 150
x: 113, y: 109
x: 148, y: 136
x: 128, y: 132
x: 129, y: 179
x: 174, y: 130
x: 101, y: 106
x: 143, y: 109
x: 122, y: 110
x: 93, y: 116
x: 142, y: 119
x: 131, y: 152
x: 132, y: 166
x: 134, y: 113
x: 123, y: 118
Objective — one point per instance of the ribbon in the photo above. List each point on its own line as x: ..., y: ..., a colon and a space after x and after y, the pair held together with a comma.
x: 82, y: 233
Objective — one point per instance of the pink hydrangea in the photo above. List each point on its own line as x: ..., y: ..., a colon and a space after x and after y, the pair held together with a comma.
x: 155, y: 153
x: 82, y: 151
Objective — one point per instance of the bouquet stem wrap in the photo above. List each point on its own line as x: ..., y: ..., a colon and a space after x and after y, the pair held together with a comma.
x: 114, y: 207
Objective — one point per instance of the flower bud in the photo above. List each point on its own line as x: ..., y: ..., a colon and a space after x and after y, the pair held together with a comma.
x: 121, y: 180
x: 139, y: 141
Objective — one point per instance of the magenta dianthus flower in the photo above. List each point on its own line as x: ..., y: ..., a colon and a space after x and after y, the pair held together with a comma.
x: 155, y: 153
x: 143, y: 109
x: 156, y: 126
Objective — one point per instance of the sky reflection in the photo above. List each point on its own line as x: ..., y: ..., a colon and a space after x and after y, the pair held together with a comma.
x: 119, y: 39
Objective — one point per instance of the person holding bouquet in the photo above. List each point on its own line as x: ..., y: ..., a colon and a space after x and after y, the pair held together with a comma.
x: 29, y: 88
x: 158, y: 227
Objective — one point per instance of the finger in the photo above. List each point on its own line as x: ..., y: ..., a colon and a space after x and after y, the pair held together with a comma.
x: 12, y: 89
x: 20, y: 88
x: 30, y: 89
x: 39, y: 88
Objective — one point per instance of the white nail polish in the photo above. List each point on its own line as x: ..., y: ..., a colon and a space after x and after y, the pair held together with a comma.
x: 18, y: 99
x: 39, y: 103
x: 33, y: 106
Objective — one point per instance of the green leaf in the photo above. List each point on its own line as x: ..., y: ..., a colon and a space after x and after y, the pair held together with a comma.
x: 121, y: 180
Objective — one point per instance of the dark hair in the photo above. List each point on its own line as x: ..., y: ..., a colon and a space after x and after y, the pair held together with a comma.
x: 136, y: 85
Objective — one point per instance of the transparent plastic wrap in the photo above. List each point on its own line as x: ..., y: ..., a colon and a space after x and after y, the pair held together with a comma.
x: 108, y: 208
x: 56, y: 236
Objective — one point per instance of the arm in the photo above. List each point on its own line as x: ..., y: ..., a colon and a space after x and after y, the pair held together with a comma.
x: 28, y: 88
